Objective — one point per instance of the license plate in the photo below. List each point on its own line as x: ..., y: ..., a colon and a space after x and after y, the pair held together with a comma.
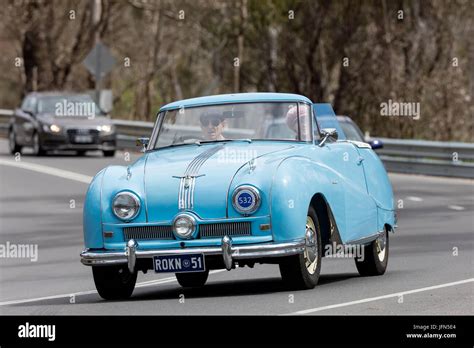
x: 179, y: 263
x: 83, y: 139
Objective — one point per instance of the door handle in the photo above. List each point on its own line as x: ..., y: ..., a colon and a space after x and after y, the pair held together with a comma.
x: 359, y: 160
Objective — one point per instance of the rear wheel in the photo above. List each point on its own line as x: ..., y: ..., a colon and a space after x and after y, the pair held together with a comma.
x: 192, y: 280
x: 14, y: 147
x: 108, y: 153
x: 80, y: 153
x: 375, y: 257
x: 114, y: 282
x: 302, y: 271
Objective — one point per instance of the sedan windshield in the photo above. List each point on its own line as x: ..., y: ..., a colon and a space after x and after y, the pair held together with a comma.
x: 69, y: 105
x: 252, y: 121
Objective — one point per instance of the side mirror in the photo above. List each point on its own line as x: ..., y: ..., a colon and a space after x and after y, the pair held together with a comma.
x: 143, y: 142
x: 376, y: 144
x: 328, y: 133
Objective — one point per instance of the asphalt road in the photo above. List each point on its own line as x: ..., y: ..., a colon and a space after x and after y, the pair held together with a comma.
x: 431, y: 268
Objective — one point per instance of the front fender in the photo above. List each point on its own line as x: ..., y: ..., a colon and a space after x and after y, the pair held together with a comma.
x: 118, y: 179
x: 91, y: 214
x: 296, y: 180
x: 97, y: 212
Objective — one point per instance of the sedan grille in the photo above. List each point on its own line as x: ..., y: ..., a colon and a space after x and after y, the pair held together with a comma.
x: 215, y: 230
x: 225, y: 228
x: 148, y: 232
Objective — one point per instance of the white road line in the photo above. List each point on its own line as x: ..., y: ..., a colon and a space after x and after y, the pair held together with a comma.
x: 415, y: 199
x: 456, y: 207
x: 89, y: 292
x: 371, y: 299
x: 65, y: 174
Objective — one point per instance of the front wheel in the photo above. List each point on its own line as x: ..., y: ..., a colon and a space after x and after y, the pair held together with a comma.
x: 14, y: 147
x: 37, y: 148
x: 114, y: 282
x: 375, y: 257
x: 193, y: 279
x: 302, y: 271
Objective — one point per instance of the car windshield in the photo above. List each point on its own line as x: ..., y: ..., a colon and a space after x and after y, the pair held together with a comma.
x: 252, y: 121
x: 69, y: 105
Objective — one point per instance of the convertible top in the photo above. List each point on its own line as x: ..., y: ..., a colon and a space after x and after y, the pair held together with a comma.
x: 236, y: 98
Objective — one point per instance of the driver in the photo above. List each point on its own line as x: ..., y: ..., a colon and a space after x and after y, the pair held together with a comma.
x: 304, y: 124
x: 212, y: 125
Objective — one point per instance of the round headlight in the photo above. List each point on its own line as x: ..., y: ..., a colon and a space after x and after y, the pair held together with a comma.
x: 246, y: 199
x: 126, y: 205
x: 184, y: 226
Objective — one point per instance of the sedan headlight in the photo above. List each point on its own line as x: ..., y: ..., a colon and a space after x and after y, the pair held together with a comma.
x: 126, y: 206
x: 52, y: 128
x: 246, y: 199
x: 106, y: 128
x: 55, y: 128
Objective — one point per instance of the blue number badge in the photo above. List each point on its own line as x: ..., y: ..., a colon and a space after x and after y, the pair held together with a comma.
x: 245, y: 199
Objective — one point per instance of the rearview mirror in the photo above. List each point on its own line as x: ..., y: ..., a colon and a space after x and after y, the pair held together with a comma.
x: 233, y: 114
x: 328, y: 133
x: 143, y: 142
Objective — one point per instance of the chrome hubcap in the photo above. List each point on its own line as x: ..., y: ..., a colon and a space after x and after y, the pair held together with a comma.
x: 380, y: 245
x: 311, y: 247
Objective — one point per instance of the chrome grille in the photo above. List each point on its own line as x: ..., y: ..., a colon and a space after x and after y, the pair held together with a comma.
x: 148, y: 232
x: 226, y: 228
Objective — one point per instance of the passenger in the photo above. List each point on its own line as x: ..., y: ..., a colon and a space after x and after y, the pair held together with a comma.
x: 304, y: 124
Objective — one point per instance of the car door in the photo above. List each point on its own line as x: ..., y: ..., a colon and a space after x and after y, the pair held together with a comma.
x: 360, y: 209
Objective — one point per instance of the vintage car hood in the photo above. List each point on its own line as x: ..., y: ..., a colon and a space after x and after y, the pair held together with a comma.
x: 197, y: 178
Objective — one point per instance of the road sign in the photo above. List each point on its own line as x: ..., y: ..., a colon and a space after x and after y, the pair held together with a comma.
x: 99, y: 61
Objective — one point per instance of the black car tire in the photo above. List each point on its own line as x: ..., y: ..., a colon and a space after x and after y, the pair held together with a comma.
x: 37, y: 148
x: 193, y: 279
x: 109, y: 153
x: 14, y: 147
x: 294, y: 269
x: 114, y: 282
x: 372, y: 263
x: 80, y: 153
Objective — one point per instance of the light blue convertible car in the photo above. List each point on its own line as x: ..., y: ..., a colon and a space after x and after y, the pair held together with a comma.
x: 217, y: 187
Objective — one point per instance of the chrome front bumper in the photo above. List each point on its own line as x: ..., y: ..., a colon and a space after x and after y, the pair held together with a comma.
x: 228, y: 252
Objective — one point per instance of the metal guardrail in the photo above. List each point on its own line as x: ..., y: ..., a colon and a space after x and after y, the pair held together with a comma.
x: 453, y: 159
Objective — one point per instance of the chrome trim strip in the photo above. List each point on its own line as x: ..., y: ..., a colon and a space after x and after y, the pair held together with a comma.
x: 180, y: 194
x: 366, y: 240
x: 240, y: 252
x: 359, y: 144
x: 186, y: 194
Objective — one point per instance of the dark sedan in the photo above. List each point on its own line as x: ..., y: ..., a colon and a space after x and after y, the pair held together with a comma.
x: 61, y: 121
